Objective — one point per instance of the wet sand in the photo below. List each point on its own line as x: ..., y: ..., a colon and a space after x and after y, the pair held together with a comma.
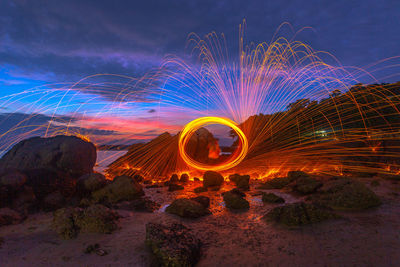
x: 368, y: 238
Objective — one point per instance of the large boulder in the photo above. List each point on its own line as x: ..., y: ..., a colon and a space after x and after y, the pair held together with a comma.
x: 346, y: 194
x: 211, y: 178
x: 187, y: 208
x: 235, y: 200
x: 120, y: 189
x: 68, y: 154
x: 298, y: 214
x: 173, y: 245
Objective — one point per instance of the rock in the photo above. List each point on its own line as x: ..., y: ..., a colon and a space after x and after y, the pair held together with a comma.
x: 184, y: 178
x: 121, y: 188
x: 275, y: 183
x: 203, y: 200
x: 196, y: 179
x: 95, y: 248
x: 173, y: 245
x: 25, y: 200
x: 9, y: 216
x: 272, y: 198
x: 187, y: 208
x: 64, y: 222
x: 298, y: 214
x: 306, y: 185
x: 45, y: 181
x: 97, y: 219
x: 200, y: 189
x: 89, y: 183
x: 375, y: 183
x: 68, y: 154
x: 53, y: 201
x: 294, y: 175
x: 241, y: 181
x: 346, y: 194
x: 13, y: 178
x: 234, y: 199
x: 211, y: 178
x: 174, y: 179
x: 175, y: 187
x: 140, y: 204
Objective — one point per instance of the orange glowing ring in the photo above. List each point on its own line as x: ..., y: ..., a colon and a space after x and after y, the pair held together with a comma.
x: 194, y: 125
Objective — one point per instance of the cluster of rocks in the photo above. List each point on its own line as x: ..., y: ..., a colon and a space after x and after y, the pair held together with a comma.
x: 56, y: 174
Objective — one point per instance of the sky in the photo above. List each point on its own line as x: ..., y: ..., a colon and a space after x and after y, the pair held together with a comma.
x: 49, y: 42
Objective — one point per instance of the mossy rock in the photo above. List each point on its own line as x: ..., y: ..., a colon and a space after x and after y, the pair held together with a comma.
x: 306, y: 185
x: 187, y: 208
x: 121, y: 188
x: 346, y: 194
x: 271, y: 198
x: 235, y: 200
x: 90, y: 182
x: 211, y: 178
x: 298, y: 214
x: 275, y: 183
x: 241, y: 181
x: 173, y: 245
x: 200, y: 189
x: 97, y: 219
x: 64, y: 222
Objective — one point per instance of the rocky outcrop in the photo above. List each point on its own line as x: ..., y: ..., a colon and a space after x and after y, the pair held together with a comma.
x: 89, y: 183
x: 173, y: 245
x: 235, y: 200
x: 298, y: 214
x: 306, y: 185
x: 187, y: 208
x: 211, y: 178
x: 67, y: 154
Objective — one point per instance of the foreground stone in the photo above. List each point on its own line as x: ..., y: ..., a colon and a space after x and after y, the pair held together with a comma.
x: 187, y: 208
x: 211, y: 178
x: 120, y: 189
x: 68, y: 154
x: 234, y: 199
x: 346, y: 194
x: 68, y: 222
x: 271, y: 198
x: 298, y: 214
x: 173, y: 245
x: 241, y: 181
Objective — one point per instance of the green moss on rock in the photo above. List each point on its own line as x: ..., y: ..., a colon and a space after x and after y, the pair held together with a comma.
x: 173, y: 245
x: 121, y: 188
x: 346, y: 194
x: 298, y: 214
x: 64, y: 222
x: 97, y: 219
